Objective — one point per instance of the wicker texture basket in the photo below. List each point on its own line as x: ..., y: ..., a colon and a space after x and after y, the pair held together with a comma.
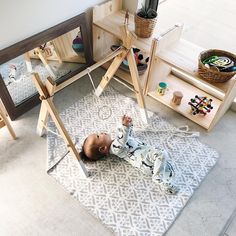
x: 144, y: 27
x: 212, y: 75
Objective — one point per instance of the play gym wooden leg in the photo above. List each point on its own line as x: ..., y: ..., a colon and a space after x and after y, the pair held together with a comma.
x: 6, y: 121
x: 57, y: 53
x: 47, y: 103
x: 110, y: 72
x: 136, y: 84
x: 44, y: 61
x: 63, y: 132
x: 43, y: 114
x: 28, y: 62
x: 42, y: 120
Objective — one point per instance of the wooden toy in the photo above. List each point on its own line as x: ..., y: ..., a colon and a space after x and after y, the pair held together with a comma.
x: 49, y: 88
x: 161, y: 89
x: 200, y: 105
x: 177, y: 97
x: 219, y: 63
x: 126, y: 22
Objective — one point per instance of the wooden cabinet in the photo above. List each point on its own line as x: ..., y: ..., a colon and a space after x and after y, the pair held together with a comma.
x: 173, y: 61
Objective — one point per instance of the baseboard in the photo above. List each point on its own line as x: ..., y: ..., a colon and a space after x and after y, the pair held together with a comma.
x: 233, y: 106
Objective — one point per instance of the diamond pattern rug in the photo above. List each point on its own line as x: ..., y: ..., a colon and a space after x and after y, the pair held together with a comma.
x: 22, y: 87
x: 125, y: 200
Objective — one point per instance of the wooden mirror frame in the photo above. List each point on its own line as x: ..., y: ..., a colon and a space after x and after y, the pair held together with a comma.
x: 34, y: 41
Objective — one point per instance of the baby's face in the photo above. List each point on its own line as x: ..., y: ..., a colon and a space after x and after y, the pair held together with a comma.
x: 100, y: 140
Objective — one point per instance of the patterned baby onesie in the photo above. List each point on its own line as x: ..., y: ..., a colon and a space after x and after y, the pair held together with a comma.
x: 149, y: 160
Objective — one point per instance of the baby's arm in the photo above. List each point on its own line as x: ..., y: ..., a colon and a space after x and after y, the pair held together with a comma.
x: 126, y: 121
x: 117, y: 146
x: 124, y: 130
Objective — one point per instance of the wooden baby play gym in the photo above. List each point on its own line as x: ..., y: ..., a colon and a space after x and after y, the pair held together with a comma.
x: 47, y: 90
x: 173, y: 61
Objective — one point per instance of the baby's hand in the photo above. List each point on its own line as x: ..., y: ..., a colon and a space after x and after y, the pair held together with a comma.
x: 126, y: 120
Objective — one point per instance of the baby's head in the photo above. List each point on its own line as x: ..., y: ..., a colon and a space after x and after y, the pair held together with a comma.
x: 96, y: 146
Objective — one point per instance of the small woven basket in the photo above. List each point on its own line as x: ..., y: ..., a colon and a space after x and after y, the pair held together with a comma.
x: 144, y: 27
x: 212, y: 75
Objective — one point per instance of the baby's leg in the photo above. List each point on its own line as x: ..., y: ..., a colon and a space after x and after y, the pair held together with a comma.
x: 163, y: 173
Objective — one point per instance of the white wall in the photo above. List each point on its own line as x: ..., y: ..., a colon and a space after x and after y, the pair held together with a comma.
x: 20, y: 19
x: 130, y: 5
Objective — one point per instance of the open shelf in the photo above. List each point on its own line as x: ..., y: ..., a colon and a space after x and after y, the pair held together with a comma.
x: 172, y: 60
x: 125, y: 75
x: 174, y: 84
x: 112, y: 23
x: 183, y: 55
x: 122, y: 74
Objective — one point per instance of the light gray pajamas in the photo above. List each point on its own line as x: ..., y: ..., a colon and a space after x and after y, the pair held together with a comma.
x: 149, y: 160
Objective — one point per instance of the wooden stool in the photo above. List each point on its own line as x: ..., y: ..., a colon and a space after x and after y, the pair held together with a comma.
x: 4, y: 120
x: 177, y: 97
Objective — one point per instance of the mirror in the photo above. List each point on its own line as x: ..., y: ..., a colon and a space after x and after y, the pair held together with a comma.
x: 59, y: 52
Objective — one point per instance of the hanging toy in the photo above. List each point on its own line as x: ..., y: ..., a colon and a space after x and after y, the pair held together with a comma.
x: 45, y: 49
x: 140, y: 59
x: 78, y: 45
x: 200, y: 105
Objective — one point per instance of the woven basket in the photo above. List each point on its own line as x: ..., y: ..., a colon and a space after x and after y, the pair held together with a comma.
x: 144, y: 27
x: 212, y: 75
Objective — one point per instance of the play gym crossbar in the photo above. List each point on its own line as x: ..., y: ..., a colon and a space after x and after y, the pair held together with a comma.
x: 47, y: 90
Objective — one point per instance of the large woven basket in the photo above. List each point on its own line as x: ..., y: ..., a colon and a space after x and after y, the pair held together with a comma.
x: 144, y: 27
x: 212, y: 75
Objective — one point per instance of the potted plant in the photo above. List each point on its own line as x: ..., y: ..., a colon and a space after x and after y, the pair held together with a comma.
x: 145, y: 19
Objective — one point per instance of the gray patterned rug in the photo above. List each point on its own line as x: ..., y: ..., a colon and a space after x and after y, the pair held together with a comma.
x: 125, y: 200
x: 22, y: 87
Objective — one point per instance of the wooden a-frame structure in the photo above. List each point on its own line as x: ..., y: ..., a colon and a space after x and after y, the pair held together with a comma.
x: 4, y: 120
x: 47, y: 90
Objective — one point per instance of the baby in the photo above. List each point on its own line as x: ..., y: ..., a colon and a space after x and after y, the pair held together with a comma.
x: 148, y: 159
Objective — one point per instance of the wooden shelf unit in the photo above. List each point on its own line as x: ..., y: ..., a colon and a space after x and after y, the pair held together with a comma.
x: 173, y: 60
x: 107, y: 20
x: 177, y: 84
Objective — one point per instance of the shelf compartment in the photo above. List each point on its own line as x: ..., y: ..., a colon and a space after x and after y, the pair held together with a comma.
x: 112, y: 23
x: 124, y: 75
x: 183, y: 55
x: 174, y: 83
x: 173, y: 60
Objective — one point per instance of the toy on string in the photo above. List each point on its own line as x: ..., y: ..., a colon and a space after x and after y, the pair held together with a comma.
x: 200, y: 105
x: 104, y: 112
x: 45, y: 49
x: 78, y: 45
